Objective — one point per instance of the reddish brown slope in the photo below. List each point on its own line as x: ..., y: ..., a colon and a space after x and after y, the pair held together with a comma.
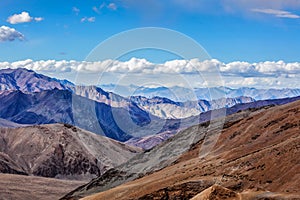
x: 258, y: 152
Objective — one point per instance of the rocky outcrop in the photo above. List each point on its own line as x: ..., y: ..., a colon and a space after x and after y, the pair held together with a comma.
x: 217, y: 192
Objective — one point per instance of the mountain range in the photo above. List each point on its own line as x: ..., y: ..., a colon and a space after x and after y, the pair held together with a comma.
x: 233, y: 148
x: 183, y: 94
x: 148, y: 142
x: 27, y: 81
x: 28, y: 98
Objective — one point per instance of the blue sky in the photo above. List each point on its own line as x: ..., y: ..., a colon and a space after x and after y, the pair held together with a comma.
x: 255, y: 31
x: 228, y: 32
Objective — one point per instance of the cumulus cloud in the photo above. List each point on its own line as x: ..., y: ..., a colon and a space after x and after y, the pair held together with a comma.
x: 277, y: 13
x: 234, y: 74
x: 88, y: 19
x: 267, y: 68
x: 142, y: 66
x: 23, y: 17
x: 9, y: 34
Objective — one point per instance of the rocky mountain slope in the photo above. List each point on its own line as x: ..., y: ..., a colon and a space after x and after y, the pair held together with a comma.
x: 28, y: 81
x: 9, y: 124
x: 158, y: 106
x: 102, y: 112
x: 148, y: 142
x: 255, y: 150
x: 120, y: 123
x: 59, y: 151
x: 217, y: 192
x: 53, y: 106
x: 62, y: 106
x: 168, y: 109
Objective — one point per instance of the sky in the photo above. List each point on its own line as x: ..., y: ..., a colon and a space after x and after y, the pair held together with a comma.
x: 254, y: 43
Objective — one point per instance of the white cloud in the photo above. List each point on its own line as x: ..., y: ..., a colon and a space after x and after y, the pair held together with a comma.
x: 246, y: 5
x: 9, y: 34
x: 260, y: 82
x: 239, y: 67
x: 19, y: 18
x: 142, y: 66
x: 277, y: 13
x: 112, y: 6
x: 38, y: 19
x: 213, y: 6
x: 23, y: 17
x: 88, y: 19
x: 76, y: 10
x: 234, y: 74
x: 96, y: 10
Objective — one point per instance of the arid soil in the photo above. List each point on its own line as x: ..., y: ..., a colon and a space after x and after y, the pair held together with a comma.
x: 255, y: 157
x: 18, y: 187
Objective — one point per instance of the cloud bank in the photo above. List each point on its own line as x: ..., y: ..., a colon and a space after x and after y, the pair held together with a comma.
x: 268, y: 74
x: 142, y: 66
x: 9, y: 34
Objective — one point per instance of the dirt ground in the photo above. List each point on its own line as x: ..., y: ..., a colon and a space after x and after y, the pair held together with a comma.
x: 18, y: 187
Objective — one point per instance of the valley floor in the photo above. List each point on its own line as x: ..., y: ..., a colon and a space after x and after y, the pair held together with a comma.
x: 18, y: 187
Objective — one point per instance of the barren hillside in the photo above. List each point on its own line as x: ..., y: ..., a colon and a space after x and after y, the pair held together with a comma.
x: 256, y: 151
x: 60, y: 151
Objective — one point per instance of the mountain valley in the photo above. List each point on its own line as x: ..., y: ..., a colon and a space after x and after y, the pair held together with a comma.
x: 114, y: 147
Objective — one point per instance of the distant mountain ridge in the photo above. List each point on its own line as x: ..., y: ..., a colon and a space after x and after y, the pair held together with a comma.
x: 151, y: 141
x: 183, y: 94
x: 168, y: 109
x: 28, y: 81
x: 30, y: 98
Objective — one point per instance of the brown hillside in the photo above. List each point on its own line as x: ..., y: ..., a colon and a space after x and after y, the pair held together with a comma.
x: 59, y: 151
x: 259, y: 152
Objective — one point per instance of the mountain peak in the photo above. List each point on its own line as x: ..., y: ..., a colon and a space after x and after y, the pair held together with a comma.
x: 29, y: 81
